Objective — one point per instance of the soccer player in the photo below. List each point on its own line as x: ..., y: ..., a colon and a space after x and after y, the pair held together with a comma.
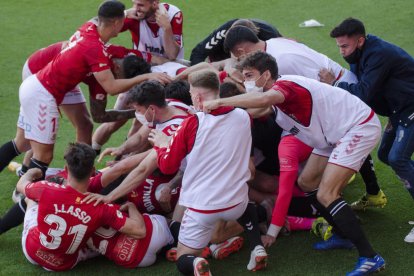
x: 41, y: 94
x: 341, y: 129
x: 212, y: 46
x: 156, y: 28
x: 144, y: 180
x: 57, y: 224
x: 214, y: 185
x: 385, y: 75
x: 295, y: 58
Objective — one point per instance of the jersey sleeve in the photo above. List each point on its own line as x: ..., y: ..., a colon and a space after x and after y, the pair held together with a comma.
x: 95, y: 184
x: 34, y: 190
x: 169, y: 159
x: 97, y: 58
x: 113, y: 217
x: 283, y: 87
x: 177, y: 27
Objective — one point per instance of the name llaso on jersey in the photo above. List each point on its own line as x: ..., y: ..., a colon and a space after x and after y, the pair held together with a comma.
x: 156, y: 50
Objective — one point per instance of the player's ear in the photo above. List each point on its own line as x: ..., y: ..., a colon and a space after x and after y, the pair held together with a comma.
x: 361, y: 42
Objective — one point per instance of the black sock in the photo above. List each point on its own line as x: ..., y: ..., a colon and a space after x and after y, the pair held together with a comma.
x: 367, y: 172
x: 23, y: 170
x: 300, y: 207
x: 348, y: 223
x: 7, y: 153
x: 311, y: 196
x: 175, y: 230
x: 14, y: 217
x: 250, y: 224
x: 185, y: 264
x: 40, y: 165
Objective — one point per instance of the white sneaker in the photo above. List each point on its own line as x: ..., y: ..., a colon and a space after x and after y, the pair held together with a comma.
x: 410, y: 237
x: 258, y: 259
x: 16, y: 196
x: 201, y: 267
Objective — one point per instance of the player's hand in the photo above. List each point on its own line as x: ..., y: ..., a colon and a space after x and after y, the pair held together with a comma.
x: 161, y: 77
x: 158, y: 138
x: 326, y: 76
x: 268, y: 240
x: 165, y: 195
x: 161, y: 17
x: 131, y: 13
x: 97, y: 198
x: 209, y: 106
x: 110, y: 151
x: 33, y: 174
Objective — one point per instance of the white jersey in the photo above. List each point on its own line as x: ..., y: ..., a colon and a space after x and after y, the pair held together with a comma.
x: 316, y: 113
x: 153, y: 43
x: 294, y: 58
x: 170, y: 68
x: 218, y: 164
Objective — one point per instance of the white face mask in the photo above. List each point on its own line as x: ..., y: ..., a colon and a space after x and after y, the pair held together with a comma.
x: 251, y: 86
x: 141, y: 118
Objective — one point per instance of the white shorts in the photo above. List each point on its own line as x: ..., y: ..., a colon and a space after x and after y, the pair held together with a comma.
x: 39, y: 114
x: 75, y: 96
x: 352, y: 149
x: 197, y: 228
x: 170, y: 68
x: 30, y: 221
x: 161, y: 236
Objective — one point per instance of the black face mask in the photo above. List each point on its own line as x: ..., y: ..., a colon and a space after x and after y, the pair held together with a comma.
x: 354, y: 57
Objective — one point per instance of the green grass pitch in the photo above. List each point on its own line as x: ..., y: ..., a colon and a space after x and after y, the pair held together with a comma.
x: 29, y: 25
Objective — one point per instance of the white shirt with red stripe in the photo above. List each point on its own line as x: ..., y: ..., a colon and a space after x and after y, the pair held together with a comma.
x: 294, y: 58
x: 316, y: 113
x: 217, y: 149
x: 148, y: 36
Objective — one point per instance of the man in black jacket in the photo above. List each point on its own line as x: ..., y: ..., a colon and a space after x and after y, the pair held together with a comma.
x: 385, y: 75
x: 212, y: 46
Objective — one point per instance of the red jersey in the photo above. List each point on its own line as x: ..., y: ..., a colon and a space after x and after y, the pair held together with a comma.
x: 84, y: 55
x: 65, y: 224
x: 39, y: 59
x: 120, y: 248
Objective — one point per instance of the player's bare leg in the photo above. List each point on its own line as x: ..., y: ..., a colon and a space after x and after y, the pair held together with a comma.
x: 42, y: 155
x: 79, y: 117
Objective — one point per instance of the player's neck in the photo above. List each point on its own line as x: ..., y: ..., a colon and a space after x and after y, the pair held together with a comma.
x: 167, y: 113
x: 105, y: 34
x: 261, y: 45
x: 80, y: 186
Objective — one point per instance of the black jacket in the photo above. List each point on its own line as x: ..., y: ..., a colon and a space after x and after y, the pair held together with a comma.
x: 212, y: 45
x: 385, y: 75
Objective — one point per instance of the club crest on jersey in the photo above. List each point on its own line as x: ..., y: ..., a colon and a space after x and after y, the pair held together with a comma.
x: 294, y: 130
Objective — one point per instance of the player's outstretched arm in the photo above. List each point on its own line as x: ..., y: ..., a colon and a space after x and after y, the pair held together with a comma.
x: 101, y: 115
x: 115, y: 86
x: 249, y: 100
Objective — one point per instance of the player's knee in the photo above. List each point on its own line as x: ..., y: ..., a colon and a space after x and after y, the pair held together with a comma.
x: 326, y: 197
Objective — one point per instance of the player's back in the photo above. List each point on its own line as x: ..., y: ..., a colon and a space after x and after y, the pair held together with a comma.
x: 42, y: 57
x: 217, y: 165
x: 294, y: 58
x: 84, y: 54
x: 64, y: 224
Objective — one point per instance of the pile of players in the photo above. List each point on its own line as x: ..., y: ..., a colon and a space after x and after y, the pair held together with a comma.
x: 196, y: 171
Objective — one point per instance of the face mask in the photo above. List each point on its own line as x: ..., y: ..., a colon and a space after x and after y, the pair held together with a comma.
x: 251, y: 85
x: 141, y: 118
x: 354, y: 57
